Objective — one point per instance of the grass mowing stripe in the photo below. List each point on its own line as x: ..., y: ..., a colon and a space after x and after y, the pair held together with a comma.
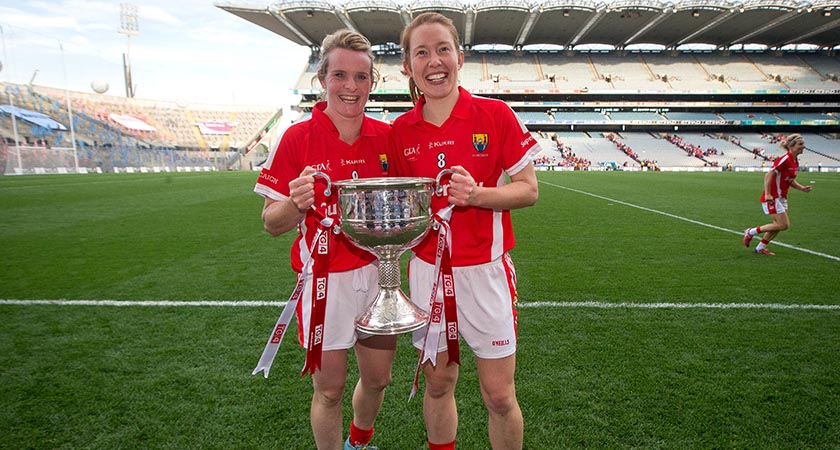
x: 685, y: 219
x: 660, y: 305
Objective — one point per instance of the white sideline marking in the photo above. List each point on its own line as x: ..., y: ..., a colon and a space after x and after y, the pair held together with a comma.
x: 685, y: 219
x: 607, y: 305
x: 137, y: 303
x: 602, y: 305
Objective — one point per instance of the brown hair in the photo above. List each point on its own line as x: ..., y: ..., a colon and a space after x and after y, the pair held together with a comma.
x: 405, y: 43
x: 349, y: 40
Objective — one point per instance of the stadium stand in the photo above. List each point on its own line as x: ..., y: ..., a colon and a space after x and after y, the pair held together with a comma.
x: 115, y: 133
x: 605, y: 86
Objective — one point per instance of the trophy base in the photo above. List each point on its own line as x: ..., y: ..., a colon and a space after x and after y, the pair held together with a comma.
x: 391, y: 312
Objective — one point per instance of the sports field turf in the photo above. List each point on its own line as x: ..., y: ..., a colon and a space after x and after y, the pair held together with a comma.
x: 644, y: 322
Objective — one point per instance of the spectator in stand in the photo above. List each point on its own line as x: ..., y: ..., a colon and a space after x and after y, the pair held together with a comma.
x: 779, y: 179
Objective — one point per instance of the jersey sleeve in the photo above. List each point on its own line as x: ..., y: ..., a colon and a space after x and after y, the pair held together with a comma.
x: 281, y: 167
x: 520, y: 144
x: 782, y: 163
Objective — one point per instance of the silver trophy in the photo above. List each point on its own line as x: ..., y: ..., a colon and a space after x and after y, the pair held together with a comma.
x: 387, y: 216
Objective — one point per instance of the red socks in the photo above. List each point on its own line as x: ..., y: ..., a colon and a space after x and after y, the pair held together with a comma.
x: 359, y: 436
x: 447, y: 446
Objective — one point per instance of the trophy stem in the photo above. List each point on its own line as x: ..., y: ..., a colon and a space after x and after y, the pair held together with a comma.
x: 391, y: 312
x: 389, y: 274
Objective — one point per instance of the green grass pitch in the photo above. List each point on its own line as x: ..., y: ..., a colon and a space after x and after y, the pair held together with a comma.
x: 641, y: 323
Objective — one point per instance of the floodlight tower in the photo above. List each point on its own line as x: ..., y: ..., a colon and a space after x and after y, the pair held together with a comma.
x: 11, y: 101
x: 129, y: 26
x: 69, y: 109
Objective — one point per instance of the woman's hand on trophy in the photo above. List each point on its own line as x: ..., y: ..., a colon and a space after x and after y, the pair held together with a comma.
x: 302, y: 190
x: 462, y: 187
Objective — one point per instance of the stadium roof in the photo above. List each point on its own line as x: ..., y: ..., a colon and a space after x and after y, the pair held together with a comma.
x: 566, y: 23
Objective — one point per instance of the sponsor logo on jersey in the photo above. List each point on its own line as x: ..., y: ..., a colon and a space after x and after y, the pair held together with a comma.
x: 269, y: 178
x: 527, y: 141
x: 383, y: 161
x: 352, y: 162
x: 436, y: 144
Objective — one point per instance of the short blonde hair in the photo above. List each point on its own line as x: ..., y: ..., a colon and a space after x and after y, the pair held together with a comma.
x: 349, y: 40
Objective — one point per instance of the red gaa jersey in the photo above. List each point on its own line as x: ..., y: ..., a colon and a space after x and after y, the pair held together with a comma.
x: 485, y: 137
x: 784, y: 169
x: 315, y: 142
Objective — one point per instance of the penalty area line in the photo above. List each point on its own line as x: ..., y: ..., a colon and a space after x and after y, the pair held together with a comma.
x: 686, y: 219
x: 600, y: 305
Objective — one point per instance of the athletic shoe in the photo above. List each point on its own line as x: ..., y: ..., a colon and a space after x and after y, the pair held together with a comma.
x: 348, y: 446
x: 764, y: 251
x: 747, y: 237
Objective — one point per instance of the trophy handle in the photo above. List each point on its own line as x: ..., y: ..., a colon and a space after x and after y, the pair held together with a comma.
x: 438, y: 185
x: 328, y: 190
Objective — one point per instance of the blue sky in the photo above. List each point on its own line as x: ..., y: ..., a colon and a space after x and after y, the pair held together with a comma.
x: 187, y: 51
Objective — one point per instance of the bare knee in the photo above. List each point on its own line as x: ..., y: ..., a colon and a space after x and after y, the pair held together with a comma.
x: 441, y: 385
x: 328, y: 396
x: 376, y: 382
x: 500, y: 401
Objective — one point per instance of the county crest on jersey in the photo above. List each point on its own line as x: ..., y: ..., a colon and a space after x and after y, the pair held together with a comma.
x: 479, y: 141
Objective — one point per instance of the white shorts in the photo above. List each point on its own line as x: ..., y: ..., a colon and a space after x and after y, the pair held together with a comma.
x: 348, y: 296
x: 484, y: 296
x: 779, y: 206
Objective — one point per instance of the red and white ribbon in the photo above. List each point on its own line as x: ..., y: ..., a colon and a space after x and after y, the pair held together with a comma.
x: 320, y: 276
x: 441, y: 308
x: 320, y: 242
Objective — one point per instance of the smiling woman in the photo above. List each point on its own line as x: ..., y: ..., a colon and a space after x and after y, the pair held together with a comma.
x: 484, y: 144
x: 347, y: 77
x: 342, y: 142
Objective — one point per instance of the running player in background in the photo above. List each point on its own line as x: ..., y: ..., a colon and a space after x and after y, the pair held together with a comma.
x: 778, y: 180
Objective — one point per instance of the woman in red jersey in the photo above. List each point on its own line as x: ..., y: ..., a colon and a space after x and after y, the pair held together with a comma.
x: 777, y: 182
x: 341, y: 141
x: 483, y: 142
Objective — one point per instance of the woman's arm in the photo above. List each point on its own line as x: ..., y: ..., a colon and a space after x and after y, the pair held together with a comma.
x: 281, y: 216
x: 522, y: 191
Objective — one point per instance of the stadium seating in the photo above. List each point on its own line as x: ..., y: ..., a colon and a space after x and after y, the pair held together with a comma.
x: 114, y: 133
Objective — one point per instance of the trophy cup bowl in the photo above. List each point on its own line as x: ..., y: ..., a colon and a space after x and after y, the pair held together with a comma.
x: 387, y: 216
